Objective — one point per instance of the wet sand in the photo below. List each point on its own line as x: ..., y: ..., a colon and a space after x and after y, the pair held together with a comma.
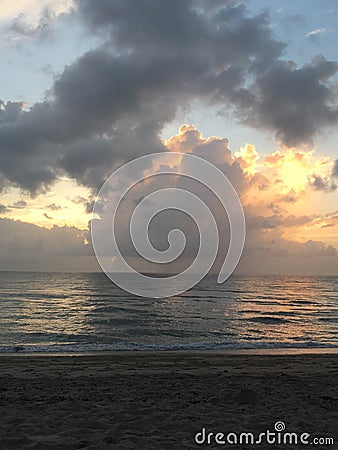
x: 161, y: 400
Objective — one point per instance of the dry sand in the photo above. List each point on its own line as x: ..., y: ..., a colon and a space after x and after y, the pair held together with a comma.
x: 161, y: 400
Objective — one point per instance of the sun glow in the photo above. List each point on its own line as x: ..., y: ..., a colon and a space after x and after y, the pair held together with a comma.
x: 294, y: 167
x: 64, y: 204
x: 294, y: 175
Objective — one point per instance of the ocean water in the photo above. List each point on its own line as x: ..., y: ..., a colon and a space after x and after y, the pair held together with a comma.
x: 87, y: 312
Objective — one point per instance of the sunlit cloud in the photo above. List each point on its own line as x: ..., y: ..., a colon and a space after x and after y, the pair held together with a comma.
x: 37, y: 210
x: 248, y: 157
x: 10, y: 9
x: 276, y: 189
x: 294, y: 167
x: 26, y: 19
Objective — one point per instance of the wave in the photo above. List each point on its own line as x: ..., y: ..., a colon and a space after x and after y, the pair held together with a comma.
x: 131, y: 346
x: 266, y: 319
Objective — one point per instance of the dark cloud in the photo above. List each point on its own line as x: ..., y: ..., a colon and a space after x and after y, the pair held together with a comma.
x: 322, y: 184
x: 316, y: 248
x: 287, y: 257
x: 78, y: 200
x: 335, y: 169
x: 3, y: 209
x: 111, y: 104
x: 89, y: 207
x: 20, y: 204
x: 21, y: 27
x: 24, y: 246
x: 328, y: 225
x: 10, y: 111
x: 257, y: 222
x: 297, y: 221
x: 289, y: 198
x: 53, y: 207
x: 295, y: 103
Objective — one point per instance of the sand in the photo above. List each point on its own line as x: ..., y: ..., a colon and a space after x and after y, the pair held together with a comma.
x: 161, y: 400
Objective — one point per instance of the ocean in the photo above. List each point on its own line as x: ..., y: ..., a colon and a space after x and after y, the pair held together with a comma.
x: 67, y: 312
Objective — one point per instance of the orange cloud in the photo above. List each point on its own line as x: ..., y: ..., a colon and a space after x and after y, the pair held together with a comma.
x: 247, y: 156
x: 276, y: 191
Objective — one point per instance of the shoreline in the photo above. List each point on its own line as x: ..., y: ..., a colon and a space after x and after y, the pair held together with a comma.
x: 225, y: 352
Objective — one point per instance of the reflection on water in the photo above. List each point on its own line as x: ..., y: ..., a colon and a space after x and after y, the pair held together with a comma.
x: 86, y: 311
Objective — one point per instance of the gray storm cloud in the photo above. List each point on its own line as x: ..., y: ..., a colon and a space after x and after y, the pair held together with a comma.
x: 295, y: 102
x: 26, y: 246
x: 335, y: 169
x: 111, y: 104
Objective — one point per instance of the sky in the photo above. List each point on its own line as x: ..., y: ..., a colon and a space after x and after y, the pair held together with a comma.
x: 250, y: 86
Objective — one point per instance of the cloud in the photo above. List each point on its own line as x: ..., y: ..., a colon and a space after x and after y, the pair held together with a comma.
x: 275, y: 225
x: 10, y: 111
x: 281, y: 221
x: 31, y: 18
x: 322, y: 184
x: 328, y: 225
x: 10, y: 9
x: 315, y: 33
x: 78, y: 200
x: 111, y: 104
x: 3, y: 209
x: 26, y: 246
x: 53, y: 207
x: 295, y: 103
x: 21, y: 27
x: 145, y: 71
x: 293, y: 170
x: 20, y: 204
x: 287, y: 257
x: 273, y: 232
x: 335, y: 169
x: 155, y: 57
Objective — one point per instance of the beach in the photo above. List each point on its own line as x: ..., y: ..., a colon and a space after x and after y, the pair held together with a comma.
x: 163, y: 400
